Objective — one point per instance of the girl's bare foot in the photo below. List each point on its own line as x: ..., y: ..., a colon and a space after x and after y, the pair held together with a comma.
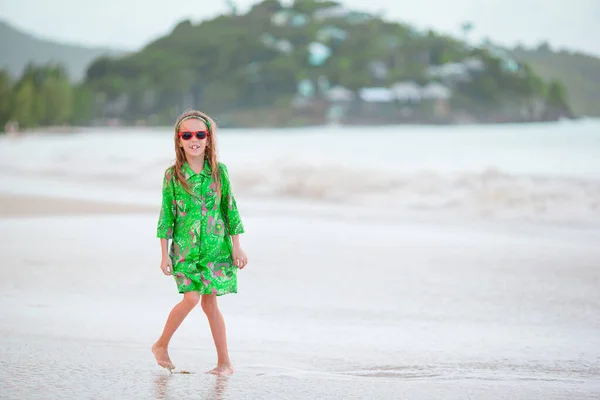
x: 221, y: 369
x: 162, y: 357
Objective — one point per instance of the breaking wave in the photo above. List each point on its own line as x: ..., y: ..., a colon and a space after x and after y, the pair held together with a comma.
x: 490, y: 193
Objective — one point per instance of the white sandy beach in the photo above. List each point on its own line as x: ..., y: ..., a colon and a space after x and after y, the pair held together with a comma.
x: 460, y: 299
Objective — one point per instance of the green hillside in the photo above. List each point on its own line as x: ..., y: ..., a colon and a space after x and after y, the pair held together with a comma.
x: 579, y: 72
x: 280, y: 62
x: 17, y: 49
x: 308, y: 63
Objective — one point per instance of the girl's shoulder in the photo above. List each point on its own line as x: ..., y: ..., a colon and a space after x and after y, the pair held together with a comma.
x: 222, y: 167
x: 169, y: 173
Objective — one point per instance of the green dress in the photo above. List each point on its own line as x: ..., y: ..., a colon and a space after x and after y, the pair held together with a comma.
x: 200, y: 228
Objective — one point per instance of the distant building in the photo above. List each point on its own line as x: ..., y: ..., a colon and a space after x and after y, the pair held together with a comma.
x: 331, y: 33
x: 340, y: 100
x: 330, y: 13
x: 281, y: 45
x: 299, y: 20
x: 357, y: 17
x: 457, y: 71
x: 341, y: 12
x: 306, y: 88
x: 11, y: 128
x: 299, y: 102
x: 508, y: 63
x: 267, y: 39
x: 340, y: 94
x: 281, y: 18
x: 289, y: 18
x: 376, y: 95
x: 435, y: 91
x: 406, y: 92
x: 284, y: 46
x: 439, y: 95
x: 474, y: 64
x: 453, y: 72
x: 378, y: 69
x: 318, y: 53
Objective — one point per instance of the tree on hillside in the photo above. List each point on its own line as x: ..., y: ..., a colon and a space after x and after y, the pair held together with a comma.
x: 309, y: 7
x: 5, y: 97
x: 56, y: 92
x: 23, y: 104
x: 556, y: 102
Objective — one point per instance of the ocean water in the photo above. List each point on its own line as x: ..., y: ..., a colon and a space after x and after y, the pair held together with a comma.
x: 397, y: 262
x: 541, y: 172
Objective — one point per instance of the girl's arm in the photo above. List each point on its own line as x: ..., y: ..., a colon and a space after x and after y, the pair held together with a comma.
x: 231, y: 214
x: 164, y: 248
x: 164, y: 229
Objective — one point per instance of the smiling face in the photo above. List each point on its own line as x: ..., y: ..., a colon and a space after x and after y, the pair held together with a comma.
x: 196, y: 150
x: 194, y: 147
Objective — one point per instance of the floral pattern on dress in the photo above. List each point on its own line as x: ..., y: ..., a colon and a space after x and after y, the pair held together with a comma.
x: 200, y: 229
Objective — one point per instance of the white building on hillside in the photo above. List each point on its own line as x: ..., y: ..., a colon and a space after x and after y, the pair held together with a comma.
x: 376, y: 95
x: 407, y: 92
x: 435, y: 91
x: 340, y: 94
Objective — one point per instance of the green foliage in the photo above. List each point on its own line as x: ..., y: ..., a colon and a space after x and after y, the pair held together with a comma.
x: 57, y: 94
x: 232, y: 63
x: 557, y: 95
x: 238, y: 63
x: 580, y: 74
x: 23, y: 104
x: 43, y: 96
x: 82, y: 111
x: 311, y: 6
x: 5, y: 97
x: 556, y: 101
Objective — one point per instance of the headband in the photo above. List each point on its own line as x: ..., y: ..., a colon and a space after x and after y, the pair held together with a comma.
x: 195, y: 117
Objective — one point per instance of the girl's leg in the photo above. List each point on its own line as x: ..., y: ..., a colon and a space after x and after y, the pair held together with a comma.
x: 176, y: 317
x: 217, y: 328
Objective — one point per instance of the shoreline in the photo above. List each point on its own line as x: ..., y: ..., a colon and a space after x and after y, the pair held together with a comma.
x: 23, y: 205
x: 68, y: 129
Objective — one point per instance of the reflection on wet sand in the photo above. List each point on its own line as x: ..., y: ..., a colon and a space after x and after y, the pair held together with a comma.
x: 160, y: 386
x: 219, y: 388
x: 164, y: 383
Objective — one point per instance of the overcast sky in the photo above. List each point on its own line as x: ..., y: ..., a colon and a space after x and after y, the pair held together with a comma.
x: 129, y: 24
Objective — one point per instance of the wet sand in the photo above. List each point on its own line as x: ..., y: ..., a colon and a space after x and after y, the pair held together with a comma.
x: 20, y: 205
x: 349, y: 310
x: 352, y: 295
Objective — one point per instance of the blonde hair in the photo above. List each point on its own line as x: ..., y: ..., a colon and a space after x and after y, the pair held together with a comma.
x: 210, y: 151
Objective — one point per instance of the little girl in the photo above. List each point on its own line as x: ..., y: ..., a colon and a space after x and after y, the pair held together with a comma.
x: 199, y: 214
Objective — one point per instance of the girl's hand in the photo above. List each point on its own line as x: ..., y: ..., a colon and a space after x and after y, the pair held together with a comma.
x: 166, y: 267
x: 239, y: 257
